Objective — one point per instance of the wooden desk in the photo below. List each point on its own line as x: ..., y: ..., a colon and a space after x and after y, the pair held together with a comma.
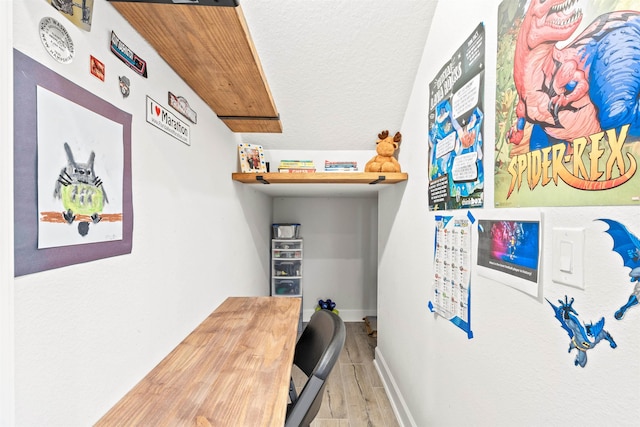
x: 232, y: 370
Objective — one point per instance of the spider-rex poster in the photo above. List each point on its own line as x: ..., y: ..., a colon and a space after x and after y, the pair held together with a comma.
x: 456, y: 122
x: 567, y: 104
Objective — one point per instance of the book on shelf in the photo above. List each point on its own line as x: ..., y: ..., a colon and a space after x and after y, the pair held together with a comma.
x: 296, y: 170
x: 340, y: 164
x: 296, y: 161
x: 338, y: 169
x: 296, y: 164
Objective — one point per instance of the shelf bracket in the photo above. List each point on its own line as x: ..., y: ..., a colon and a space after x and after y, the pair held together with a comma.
x: 261, y: 178
x: 380, y: 179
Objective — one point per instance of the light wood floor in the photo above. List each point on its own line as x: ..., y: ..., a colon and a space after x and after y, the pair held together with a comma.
x: 354, y: 395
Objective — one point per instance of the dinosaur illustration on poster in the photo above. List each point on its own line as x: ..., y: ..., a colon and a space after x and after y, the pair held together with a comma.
x: 567, y: 110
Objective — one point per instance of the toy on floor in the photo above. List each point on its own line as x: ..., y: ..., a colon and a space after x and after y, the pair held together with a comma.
x: 384, y: 161
x: 327, y: 305
x: 371, y: 323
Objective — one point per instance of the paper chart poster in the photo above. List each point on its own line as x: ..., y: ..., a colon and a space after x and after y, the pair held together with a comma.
x: 452, y: 270
x: 456, y: 123
x: 567, y: 103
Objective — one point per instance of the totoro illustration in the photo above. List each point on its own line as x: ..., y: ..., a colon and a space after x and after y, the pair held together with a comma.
x: 80, y: 189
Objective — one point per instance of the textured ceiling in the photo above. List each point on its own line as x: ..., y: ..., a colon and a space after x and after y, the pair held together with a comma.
x: 340, y: 71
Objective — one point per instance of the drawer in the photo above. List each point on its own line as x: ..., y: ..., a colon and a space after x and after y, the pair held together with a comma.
x: 289, y: 245
x: 288, y: 253
x: 283, y: 267
x: 284, y: 287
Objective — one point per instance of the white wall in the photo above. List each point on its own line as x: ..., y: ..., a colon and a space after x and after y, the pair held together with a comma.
x: 6, y: 217
x: 85, y: 334
x: 516, y: 369
x: 340, y: 251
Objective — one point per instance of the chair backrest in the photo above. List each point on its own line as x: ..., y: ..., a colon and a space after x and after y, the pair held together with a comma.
x: 316, y: 353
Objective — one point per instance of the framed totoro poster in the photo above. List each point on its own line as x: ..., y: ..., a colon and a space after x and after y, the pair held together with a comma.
x: 72, y: 166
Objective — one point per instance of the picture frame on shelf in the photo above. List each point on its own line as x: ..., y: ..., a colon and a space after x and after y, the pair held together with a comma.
x: 251, y: 158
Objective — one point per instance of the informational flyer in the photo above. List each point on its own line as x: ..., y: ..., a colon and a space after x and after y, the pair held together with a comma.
x: 509, y: 250
x: 452, y: 270
x: 456, y: 123
x: 567, y: 104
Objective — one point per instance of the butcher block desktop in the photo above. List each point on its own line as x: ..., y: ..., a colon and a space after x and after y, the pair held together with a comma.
x: 232, y: 370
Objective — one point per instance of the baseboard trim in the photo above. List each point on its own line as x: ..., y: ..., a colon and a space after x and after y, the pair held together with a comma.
x: 346, y: 315
x: 398, y: 403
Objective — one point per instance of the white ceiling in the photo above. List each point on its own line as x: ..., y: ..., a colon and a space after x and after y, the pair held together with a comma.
x: 340, y: 71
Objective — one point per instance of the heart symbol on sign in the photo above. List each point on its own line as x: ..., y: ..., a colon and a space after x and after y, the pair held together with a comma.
x: 157, y: 110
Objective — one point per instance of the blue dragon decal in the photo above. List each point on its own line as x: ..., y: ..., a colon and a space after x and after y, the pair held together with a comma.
x: 628, y: 247
x: 583, y: 336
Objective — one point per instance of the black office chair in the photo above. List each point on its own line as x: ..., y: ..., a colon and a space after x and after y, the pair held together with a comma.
x: 316, y: 354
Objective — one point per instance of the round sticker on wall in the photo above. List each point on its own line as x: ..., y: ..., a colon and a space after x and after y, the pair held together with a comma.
x: 56, y: 40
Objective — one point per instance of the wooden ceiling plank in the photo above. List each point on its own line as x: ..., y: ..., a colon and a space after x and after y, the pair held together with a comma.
x: 211, y: 49
x: 253, y: 126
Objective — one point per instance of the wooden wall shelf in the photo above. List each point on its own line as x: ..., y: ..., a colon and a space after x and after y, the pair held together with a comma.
x: 211, y: 49
x: 320, y: 178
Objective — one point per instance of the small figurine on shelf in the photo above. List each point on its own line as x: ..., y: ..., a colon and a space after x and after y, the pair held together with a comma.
x: 385, y: 161
x: 327, y: 305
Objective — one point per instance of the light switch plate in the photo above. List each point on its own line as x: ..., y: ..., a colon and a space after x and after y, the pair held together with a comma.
x: 567, y: 256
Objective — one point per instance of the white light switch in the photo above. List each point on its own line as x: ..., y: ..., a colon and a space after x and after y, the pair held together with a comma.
x: 566, y: 256
x: 567, y: 263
